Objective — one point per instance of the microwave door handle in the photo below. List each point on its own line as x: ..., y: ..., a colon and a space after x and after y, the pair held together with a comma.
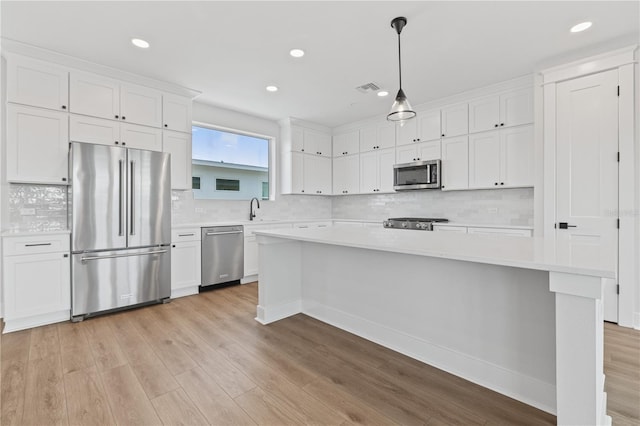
x: 428, y: 173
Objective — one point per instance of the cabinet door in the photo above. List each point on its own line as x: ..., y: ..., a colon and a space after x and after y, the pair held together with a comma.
x: 141, y: 137
x: 140, y: 105
x: 37, y: 145
x: 368, y: 138
x: 484, y: 160
x: 250, y: 256
x: 178, y: 144
x: 428, y: 126
x: 500, y: 231
x: 516, y: 107
x: 369, y: 172
x: 185, y: 265
x: 36, y: 83
x: 176, y: 113
x: 386, y: 160
x: 386, y: 135
x: 87, y: 129
x: 297, y: 139
x: 36, y: 284
x: 317, y: 143
x: 406, y: 154
x: 516, y: 156
x: 408, y: 133
x: 297, y: 173
x: 317, y: 174
x: 346, y: 143
x: 484, y: 114
x: 455, y: 163
x: 94, y: 95
x: 346, y: 175
x: 428, y: 150
x: 455, y: 120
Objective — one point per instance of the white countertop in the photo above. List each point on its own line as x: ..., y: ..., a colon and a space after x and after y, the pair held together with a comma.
x: 529, y: 253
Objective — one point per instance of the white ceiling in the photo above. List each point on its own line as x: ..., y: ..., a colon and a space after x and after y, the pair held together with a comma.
x: 231, y: 50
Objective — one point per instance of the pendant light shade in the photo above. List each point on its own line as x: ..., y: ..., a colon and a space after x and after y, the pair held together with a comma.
x: 401, y: 109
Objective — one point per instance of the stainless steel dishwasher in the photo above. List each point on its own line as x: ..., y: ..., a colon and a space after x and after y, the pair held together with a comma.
x: 222, y: 254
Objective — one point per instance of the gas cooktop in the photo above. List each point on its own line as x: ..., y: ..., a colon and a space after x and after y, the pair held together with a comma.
x: 419, y: 223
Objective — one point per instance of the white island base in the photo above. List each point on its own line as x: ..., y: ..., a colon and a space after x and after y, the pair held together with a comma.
x: 514, y: 323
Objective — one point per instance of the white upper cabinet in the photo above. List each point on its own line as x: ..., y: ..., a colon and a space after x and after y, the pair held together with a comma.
x: 425, y: 127
x: 418, y: 152
x: 37, y: 145
x: 501, y: 158
x: 94, y: 95
x: 346, y: 143
x: 455, y: 163
x: 509, y: 109
x: 310, y: 141
x: 178, y: 144
x: 377, y: 136
x: 99, y: 96
x: 297, y: 174
x: 141, y: 105
x: 176, y: 112
x: 37, y: 83
x: 317, y: 175
x: 107, y: 132
x: 376, y: 171
x: 455, y: 120
x: 346, y: 175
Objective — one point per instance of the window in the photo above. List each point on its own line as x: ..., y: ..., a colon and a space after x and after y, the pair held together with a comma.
x: 227, y: 185
x: 229, y: 165
x: 195, y: 182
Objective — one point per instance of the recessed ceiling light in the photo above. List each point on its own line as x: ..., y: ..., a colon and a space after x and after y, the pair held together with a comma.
x: 580, y: 27
x: 272, y: 88
x: 296, y: 53
x: 138, y: 42
x: 383, y: 93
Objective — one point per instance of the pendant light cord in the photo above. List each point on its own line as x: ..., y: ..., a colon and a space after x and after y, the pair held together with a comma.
x: 399, y: 62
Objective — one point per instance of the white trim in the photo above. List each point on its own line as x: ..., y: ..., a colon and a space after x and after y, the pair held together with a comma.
x: 36, y: 321
x: 10, y: 47
x: 275, y: 313
x: 590, y: 65
x: 636, y: 320
x: 549, y: 164
x: 534, y: 392
x: 184, y: 291
x: 249, y: 278
x: 538, y: 154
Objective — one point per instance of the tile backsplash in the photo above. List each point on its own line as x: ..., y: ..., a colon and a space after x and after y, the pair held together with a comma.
x: 37, y: 208
x: 491, y: 207
x: 44, y: 207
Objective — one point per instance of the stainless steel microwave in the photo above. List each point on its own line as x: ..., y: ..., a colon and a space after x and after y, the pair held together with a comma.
x: 417, y: 175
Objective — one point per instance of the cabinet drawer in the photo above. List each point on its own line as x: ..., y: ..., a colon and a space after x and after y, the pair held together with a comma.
x: 501, y: 231
x: 186, y: 234
x: 35, y: 244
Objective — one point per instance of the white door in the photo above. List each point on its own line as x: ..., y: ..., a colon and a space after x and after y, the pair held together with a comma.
x: 484, y: 160
x: 141, y: 105
x: 141, y: 137
x: 406, y: 153
x: 87, y: 129
x: 386, y: 160
x: 346, y: 174
x: 428, y: 126
x: 369, y: 172
x: 94, y: 95
x: 516, y: 156
x: 587, y: 172
x: 455, y: 163
x: 455, y: 120
x: 176, y: 113
x: 297, y: 173
x: 484, y: 114
x: 516, y: 107
x: 178, y: 144
x: 31, y: 82
x: 428, y: 150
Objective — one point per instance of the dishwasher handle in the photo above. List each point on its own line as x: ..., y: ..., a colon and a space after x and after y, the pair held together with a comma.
x: 222, y: 233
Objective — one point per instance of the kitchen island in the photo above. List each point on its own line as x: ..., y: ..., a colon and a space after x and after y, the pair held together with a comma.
x: 521, y: 316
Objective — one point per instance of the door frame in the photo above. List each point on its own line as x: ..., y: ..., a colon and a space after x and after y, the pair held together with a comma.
x: 625, y: 61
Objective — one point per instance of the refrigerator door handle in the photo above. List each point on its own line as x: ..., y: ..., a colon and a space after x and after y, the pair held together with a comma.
x: 111, y: 256
x: 121, y: 199
x: 132, y: 207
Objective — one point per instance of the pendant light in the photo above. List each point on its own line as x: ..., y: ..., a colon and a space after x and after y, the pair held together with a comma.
x: 401, y: 109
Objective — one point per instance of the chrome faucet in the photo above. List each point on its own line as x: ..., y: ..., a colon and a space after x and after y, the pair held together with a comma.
x: 252, y: 213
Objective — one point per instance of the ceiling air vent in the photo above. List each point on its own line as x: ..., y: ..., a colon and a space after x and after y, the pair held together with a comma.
x: 368, y: 88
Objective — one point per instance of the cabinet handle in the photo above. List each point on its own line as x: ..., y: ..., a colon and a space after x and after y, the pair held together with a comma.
x: 501, y: 183
x: 117, y: 142
x: 502, y: 124
x: 495, y: 125
x: 443, y: 135
x: 302, y: 190
x: 418, y: 159
x: 65, y: 255
x: 38, y: 244
x: 302, y: 150
x: 186, y: 235
x: 123, y: 143
x: 123, y: 117
x: 173, y: 245
x: 64, y: 107
x: 117, y: 116
x: 496, y: 183
x: 442, y: 187
x: 64, y: 179
x: 418, y: 139
x: 166, y: 125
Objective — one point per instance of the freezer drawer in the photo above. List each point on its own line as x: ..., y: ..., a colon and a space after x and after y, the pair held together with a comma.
x: 222, y: 254
x: 108, y: 280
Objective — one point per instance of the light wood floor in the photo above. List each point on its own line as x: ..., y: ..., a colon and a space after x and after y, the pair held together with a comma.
x: 203, y: 359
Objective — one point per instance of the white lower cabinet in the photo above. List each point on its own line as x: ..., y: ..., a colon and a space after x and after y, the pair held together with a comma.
x: 185, y: 262
x: 251, y: 249
x: 456, y: 229
x: 500, y: 231
x: 36, y: 281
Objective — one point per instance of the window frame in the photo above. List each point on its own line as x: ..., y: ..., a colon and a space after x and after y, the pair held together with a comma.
x: 271, y: 161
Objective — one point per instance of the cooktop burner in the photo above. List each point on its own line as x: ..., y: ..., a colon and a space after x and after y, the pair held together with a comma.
x: 418, y: 223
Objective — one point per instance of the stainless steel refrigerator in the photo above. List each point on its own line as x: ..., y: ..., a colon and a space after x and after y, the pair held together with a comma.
x: 121, y: 228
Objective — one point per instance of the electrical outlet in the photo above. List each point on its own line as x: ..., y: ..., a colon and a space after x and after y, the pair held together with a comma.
x: 27, y: 212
